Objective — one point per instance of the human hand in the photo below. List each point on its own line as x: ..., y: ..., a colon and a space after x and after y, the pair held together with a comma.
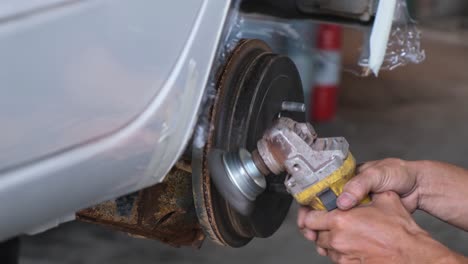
x: 380, y: 232
x: 379, y: 176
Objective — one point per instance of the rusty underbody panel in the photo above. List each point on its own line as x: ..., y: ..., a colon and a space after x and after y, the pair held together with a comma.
x: 164, y: 211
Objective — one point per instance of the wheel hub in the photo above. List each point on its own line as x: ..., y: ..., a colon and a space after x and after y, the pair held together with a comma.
x: 251, y: 91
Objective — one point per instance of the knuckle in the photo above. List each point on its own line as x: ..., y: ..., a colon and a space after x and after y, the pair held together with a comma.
x: 355, y: 186
x: 311, y: 219
x: 395, y: 161
x: 381, y: 178
x: 373, y: 175
x: 340, y: 220
x: 388, y: 173
x: 301, y: 215
x: 372, y: 171
x: 346, y: 261
x: 300, y: 223
x: 322, y: 251
x: 310, y: 235
x: 393, y: 167
x: 337, y: 258
x: 334, y: 242
x: 393, y: 197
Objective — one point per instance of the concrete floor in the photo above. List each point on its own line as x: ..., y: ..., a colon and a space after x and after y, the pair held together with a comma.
x: 418, y: 112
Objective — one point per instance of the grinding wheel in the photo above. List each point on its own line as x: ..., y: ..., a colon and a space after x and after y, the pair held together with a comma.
x: 251, y: 89
x: 223, y: 183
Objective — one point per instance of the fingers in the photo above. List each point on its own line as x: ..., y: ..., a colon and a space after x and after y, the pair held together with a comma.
x: 310, y: 235
x: 378, y: 176
x: 363, y: 166
x: 386, y: 200
x: 334, y: 256
x: 317, y: 220
x: 324, y: 248
x: 322, y: 251
x: 301, y: 215
x: 337, y: 257
x: 361, y: 185
x: 323, y: 240
x: 347, y: 200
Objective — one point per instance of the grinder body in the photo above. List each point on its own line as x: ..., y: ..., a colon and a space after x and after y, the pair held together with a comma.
x: 317, y: 168
x: 318, y: 195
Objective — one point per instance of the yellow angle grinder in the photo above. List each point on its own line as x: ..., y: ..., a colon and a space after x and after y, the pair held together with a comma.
x: 317, y: 168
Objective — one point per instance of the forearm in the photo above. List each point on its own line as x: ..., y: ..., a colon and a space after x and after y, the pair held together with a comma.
x: 442, y: 191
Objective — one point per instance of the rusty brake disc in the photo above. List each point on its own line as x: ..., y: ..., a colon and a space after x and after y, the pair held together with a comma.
x: 251, y: 89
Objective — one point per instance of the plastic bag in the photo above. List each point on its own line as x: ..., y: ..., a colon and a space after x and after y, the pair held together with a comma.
x: 404, y: 43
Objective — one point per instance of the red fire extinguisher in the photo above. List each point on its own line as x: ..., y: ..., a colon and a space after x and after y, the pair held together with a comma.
x: 327, y: 73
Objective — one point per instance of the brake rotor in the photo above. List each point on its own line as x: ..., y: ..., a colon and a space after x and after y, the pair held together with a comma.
x: 250, y: 92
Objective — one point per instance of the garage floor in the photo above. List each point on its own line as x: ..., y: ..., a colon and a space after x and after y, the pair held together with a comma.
x: 418, y: 112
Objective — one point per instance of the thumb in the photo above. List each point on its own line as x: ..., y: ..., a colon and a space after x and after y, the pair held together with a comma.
x: 357, y: 189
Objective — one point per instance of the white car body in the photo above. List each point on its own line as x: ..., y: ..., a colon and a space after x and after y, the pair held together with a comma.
x: 97, y: 99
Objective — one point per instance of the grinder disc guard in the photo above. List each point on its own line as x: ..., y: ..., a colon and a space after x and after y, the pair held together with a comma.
x: 250, y: 91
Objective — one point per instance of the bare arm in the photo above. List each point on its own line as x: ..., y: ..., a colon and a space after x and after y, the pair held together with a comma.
x: 443, y: 191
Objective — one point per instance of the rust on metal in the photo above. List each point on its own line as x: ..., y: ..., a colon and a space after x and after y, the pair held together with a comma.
x: 184, y: 165
x: 241, y: 84
x: 258, y: 160
x: 163, y: 212
x: 208, y: 216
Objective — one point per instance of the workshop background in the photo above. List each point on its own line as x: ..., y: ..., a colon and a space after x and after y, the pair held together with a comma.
x: 415, y: 112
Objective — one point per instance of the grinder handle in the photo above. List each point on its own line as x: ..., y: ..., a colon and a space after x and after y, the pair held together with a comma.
x: 323, y: 195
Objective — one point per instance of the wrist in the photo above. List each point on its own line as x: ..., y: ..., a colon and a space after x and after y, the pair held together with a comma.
x: 421, y: 171
x: 427, y: 250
